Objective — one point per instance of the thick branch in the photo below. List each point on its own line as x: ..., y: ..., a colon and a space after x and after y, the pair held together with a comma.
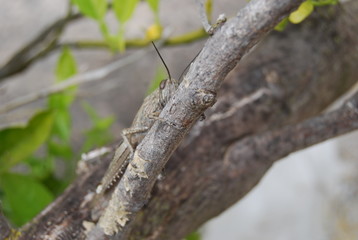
x: 274, y: 145
x: 247, y: 160
x: 195, y: 94
x: 265, y: 92
x: 232, y: 177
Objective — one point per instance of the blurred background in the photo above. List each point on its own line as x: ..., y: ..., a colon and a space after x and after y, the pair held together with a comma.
x: 311, y: 194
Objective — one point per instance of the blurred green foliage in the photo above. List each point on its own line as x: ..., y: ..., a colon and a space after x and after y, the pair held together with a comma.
x: 17, y: 143
x: 303, y: 11
x: 193, y: 236
x: 160, y: 75
x: 24, y: 197
x: 122, y: 9
x: 99, y: 134
x: 29, y: 154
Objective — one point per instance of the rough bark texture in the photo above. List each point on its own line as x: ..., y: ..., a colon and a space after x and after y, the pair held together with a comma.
x: 195, y: 94
x: 295, y: 68
x: 289, y: 77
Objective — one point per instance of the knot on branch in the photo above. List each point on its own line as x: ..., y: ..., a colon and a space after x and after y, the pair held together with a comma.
x: 203, y: 99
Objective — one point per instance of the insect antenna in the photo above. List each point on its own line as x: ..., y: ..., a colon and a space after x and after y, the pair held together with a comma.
x: 187, y: 67
x: 165, y: 65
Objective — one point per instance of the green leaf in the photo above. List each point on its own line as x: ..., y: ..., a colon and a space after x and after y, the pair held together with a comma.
x: 99, y: 134
x: 98, y: 122
x: 18, y: 143
x: 86, y: 8
x: 101, y: 8
x: 40, y: 167
x: 282, y: 25
x: 160, y: 75
x: 303, y: 11
x: 96, y: 138
x: 154, y: 5
x: 24, y: 196
x: 124, y: 9
x: 62, y: 125
x: 66, y: 65
x: 105, y: 31
x: 91, y: 112
x: 319, y: 3
x: 55, y: 185
x: 95, y: 9
x: 120, y: 42
x: 60, y: 150
x: 193, y: 236
x: 61, y: 102
x: 209, y: 9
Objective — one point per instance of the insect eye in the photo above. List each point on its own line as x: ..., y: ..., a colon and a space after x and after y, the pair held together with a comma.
x: 162, y: 84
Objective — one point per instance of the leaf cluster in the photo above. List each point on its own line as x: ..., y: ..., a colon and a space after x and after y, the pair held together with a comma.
x: 123, y: 10
x: 303, y: 11
x: 29, y: 154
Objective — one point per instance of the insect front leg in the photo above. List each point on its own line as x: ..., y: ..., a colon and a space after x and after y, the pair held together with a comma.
x: 127, y: 134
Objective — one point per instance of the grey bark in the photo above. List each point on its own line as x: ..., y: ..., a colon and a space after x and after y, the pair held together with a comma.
x: 288, y: 78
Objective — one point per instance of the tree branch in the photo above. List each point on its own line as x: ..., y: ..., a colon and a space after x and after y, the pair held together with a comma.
x: 277, y: 144
x: 247, y: 160
x: 195, y: 94
x: 37, y: 48
x: 265, y: 92
x: 185, y: 38
x: 5, y: 229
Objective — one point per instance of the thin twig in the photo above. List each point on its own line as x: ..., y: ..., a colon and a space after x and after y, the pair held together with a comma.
x: 37, y: 48
x: 203, y: 18
x: 90, y: 76
x: 139, y: 42
x: 47, y: 41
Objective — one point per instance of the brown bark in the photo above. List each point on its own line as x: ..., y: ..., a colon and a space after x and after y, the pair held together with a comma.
x: 288, y: 78
x: 5, y: 229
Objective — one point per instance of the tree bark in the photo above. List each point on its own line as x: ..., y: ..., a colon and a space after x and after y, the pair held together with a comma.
x: 266, y: 101
x: 5, y: 229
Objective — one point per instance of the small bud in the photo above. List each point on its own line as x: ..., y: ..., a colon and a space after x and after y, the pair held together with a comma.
x: 154, y: 32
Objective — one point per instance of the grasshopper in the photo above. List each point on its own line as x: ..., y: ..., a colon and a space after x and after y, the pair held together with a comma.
x: 147, y: 114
